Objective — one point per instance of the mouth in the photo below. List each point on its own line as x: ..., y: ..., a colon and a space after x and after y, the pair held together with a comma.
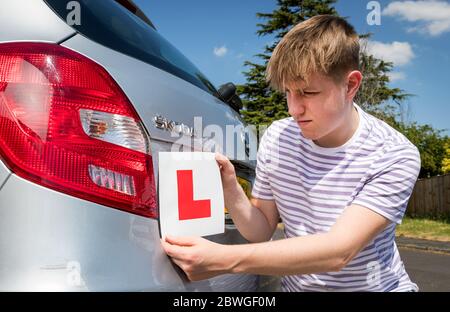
x: 303, y: 122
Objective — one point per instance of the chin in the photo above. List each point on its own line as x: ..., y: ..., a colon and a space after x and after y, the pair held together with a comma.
x: 310, y: 136
x: 307, y: 133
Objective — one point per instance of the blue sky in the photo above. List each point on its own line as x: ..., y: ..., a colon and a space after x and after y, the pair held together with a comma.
x: 219, y: 36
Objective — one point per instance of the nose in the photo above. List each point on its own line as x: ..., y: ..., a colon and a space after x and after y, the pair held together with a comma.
x: 296, y: 106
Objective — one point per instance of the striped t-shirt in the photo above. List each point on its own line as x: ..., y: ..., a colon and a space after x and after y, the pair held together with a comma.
x: 311, y: 186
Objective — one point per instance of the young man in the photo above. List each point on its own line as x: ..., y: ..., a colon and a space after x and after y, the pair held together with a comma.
x: 339, y: 178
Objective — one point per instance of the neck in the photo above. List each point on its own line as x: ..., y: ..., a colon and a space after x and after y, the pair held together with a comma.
x: 343, y: 132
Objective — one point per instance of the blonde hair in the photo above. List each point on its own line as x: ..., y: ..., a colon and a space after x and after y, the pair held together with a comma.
x: 323, y: 44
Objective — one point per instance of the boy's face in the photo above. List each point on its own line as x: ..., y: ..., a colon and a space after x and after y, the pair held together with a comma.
x: 321, y: 108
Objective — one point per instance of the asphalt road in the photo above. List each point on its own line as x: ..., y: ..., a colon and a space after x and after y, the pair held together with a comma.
x: 428, y: 269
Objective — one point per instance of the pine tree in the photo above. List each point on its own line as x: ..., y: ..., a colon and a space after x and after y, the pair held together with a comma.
x: 261, y: 104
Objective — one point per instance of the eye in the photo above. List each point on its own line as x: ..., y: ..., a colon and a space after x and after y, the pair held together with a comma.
x: 310, y: 93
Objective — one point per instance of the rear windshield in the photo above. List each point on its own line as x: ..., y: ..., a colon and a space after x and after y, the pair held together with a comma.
x: 127, y: 30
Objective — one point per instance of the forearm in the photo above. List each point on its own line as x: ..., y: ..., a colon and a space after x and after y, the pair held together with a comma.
x: 249, y: 220
x: 318, y: 253
x: 298, y: 255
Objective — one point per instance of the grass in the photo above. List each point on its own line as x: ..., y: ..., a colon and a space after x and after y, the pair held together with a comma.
x: 425, y: 229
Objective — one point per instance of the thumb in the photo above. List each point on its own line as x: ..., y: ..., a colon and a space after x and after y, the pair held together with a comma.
x: 224, y: 163
x: 221, y: 159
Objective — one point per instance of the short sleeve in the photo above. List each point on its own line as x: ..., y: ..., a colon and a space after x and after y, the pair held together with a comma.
x: 261, y: 188
x: 390, y: 182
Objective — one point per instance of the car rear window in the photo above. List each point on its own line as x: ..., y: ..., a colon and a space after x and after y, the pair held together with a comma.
x: 127, y: 30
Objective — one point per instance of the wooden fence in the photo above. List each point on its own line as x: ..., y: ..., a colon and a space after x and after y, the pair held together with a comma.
x: 430, y: 198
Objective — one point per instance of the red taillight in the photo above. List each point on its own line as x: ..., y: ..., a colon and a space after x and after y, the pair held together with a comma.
x: 65, y: 124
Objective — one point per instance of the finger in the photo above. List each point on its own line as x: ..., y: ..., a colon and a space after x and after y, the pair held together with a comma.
x: 181, y: 240
x: 172, y: 251
x: 191, y: 276
x: 180, y: 263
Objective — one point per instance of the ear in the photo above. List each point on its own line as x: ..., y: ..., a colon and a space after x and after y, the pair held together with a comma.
x: 354, y: 79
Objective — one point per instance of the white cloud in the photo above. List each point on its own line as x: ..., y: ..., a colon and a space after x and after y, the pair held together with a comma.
x: 220, y: 51
x: 399, y: 53
x: 395, y: 76
x: 433, y: 16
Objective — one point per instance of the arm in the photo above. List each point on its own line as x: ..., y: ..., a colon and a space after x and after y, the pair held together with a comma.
x: 255, y: 220
x: 318, y: 253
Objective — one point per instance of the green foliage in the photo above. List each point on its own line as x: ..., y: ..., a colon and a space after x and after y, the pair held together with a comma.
x: 292, y: 12
x: 446, y: 160
x: 431, y: 144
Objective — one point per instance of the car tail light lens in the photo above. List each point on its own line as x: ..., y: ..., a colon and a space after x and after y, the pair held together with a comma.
x: 65, y: 124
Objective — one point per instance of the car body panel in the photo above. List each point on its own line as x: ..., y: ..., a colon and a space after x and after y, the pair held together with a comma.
x: 48, y: 243
x: 4, y: 173
x: 31, y: 20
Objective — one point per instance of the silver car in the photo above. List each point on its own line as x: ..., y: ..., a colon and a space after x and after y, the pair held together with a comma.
x: 90, y: 92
